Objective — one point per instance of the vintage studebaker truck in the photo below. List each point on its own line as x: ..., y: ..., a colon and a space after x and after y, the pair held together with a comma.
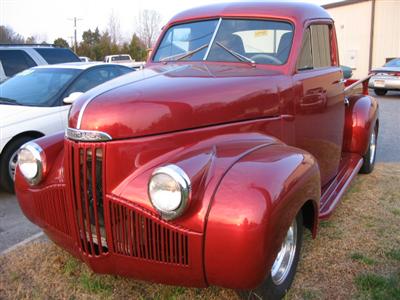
x: 204, y: 168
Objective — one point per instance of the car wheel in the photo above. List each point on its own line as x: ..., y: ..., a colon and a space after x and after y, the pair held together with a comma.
x: 8, y: 163
x: 380, y: 92
x: 280, y: 277
x: 369, y: 157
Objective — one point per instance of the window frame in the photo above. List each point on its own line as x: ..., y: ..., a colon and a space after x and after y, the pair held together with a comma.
x: 271, y: 19
x: 332, y: 47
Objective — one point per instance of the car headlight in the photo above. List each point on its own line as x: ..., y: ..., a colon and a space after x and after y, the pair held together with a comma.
x: 169, y: 191
x: 31, y: 160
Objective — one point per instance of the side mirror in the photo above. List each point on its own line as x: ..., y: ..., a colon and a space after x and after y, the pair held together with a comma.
x: 72, y: 97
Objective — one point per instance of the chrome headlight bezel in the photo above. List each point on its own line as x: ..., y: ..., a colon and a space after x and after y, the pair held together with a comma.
x: 182, y: 180
x: 40, y: 159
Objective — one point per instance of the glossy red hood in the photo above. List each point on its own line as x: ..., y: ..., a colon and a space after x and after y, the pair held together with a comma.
x: 167, y: 98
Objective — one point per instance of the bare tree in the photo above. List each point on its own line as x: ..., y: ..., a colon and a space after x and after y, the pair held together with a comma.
x: 114, y: 28
x: 148, y: 26
x: 8, y: 36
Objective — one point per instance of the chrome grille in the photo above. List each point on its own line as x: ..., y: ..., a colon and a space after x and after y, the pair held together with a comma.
x: 87, y: 182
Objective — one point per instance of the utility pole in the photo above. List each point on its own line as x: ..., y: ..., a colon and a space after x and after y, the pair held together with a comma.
x: 75, y: 41
x: 71, y: 38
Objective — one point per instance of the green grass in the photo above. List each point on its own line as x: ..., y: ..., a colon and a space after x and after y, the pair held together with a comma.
x: 71, y: 266
x: 326, y: 224
x: 310, y: 295
x: 362, y: 258
x: 377, y: 287
x: 14, y: 276
x: 393, y: 254
x: 96, y: 284
x: 396, y: 211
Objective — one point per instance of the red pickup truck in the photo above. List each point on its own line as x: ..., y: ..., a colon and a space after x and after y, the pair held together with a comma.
x: 204, y: 168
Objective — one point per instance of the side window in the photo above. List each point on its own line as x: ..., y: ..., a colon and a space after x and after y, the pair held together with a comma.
x: 57, y: 55
x: 92, y: 78
x: 305, y: 61
x: 316, y: 48
x: 15, y: 61
x: 321, y: 46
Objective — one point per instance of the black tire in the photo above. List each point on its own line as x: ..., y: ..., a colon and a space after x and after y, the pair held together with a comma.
x: 268, y: 289
x: 380, y: 92
x: 7, y: 182
x: 370, y: 156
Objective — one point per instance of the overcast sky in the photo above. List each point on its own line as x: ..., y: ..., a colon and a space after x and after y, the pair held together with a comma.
x: 49, y: 19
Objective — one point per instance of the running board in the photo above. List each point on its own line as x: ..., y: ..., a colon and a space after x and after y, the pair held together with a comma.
x: 350, y: 165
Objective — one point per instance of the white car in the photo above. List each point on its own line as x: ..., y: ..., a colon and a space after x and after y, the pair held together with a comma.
x: 386, y: 78
x: 36, y: 101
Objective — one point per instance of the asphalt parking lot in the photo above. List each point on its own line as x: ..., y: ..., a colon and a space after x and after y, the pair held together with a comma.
x: 15, y: 228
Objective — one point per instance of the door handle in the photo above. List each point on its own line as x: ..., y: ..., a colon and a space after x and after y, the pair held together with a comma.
x: 342, y: 80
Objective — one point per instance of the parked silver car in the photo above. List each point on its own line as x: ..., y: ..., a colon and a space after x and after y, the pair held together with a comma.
x: 386, y: 78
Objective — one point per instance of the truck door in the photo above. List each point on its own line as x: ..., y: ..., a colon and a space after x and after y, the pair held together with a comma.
x: 319, y: 106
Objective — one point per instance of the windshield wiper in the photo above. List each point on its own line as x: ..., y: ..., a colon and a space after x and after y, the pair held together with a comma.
x: 237, y: 55
x: 184, y: 55
x: 4, y: 100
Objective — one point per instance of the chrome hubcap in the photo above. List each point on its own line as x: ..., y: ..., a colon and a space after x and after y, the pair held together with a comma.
x: 12, y: 165
x: 284, y: 259
x: 372, y: 147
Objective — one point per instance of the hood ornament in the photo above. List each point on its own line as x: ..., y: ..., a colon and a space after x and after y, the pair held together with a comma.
x: 87, y: 135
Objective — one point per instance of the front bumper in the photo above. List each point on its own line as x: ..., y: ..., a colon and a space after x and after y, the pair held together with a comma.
x: 384, y: 82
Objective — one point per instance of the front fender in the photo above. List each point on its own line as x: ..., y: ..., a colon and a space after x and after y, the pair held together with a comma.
x: 361, y: 116
x: 53, y: 174
x: 251, y: 211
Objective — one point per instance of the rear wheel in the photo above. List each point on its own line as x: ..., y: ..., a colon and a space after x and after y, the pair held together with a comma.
x: 369, y: 157
x: 380, y: 92
x: 8, y: 163
x: 280, y: 277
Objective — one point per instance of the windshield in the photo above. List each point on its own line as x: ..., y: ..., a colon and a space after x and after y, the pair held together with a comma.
x: 393, y: 63
x: 36, y: 87
x: 225, y: 40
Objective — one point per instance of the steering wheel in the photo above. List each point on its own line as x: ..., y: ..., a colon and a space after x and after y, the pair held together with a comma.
x: 264, y: 56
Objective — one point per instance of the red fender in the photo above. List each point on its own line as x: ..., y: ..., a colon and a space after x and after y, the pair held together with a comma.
x: 361, y: 117
x: 53, y: 174
x: 252, y: 209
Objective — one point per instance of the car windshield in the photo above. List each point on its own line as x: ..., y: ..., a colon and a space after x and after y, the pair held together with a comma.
x: 393, y: 63
x: 36, y: 87
x: 226, y: 40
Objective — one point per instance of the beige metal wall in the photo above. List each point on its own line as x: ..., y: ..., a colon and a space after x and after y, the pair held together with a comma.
x: 353, y: 23
x: 386, y: 31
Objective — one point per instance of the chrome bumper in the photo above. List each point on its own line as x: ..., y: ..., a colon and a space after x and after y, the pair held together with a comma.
x: 384, y: 82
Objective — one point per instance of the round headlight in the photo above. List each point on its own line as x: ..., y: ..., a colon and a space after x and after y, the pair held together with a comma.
x: 169, y: 191
x: 30, y: 162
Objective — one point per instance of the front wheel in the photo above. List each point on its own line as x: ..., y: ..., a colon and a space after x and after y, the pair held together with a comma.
x: 380, y: 92
x: 280, y: 277
x: 369, y: 157
x: 8, y: 163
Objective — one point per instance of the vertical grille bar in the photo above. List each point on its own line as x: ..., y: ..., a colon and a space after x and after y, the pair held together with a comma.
x: 51, y: 205
x: 85, y: 199
x: 78, y: 199
x: 136, y: 235
x: 94, y: 184
x: 87, y: 180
